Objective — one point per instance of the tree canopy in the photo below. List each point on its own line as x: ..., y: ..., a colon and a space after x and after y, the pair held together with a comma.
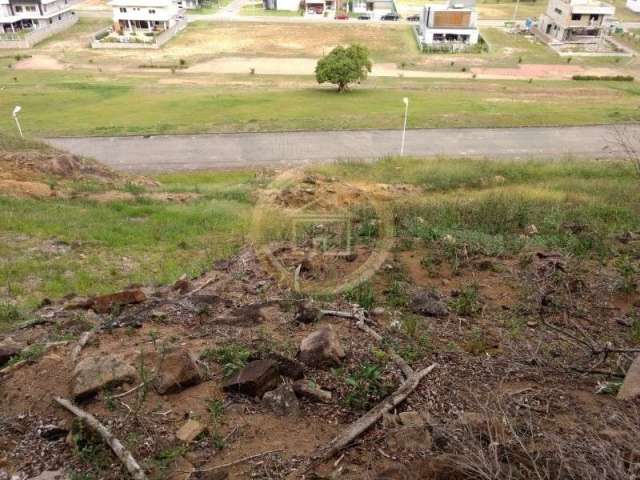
x: 343, y: 66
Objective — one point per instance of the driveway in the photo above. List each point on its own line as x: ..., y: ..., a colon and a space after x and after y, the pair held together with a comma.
x: 249, y: 150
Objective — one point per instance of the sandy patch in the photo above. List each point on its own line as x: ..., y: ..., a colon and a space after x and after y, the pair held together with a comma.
x: 542, y: 71
x: 39, y: 62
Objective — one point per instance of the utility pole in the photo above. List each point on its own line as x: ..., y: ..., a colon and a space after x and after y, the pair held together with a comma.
x: 404, y: 128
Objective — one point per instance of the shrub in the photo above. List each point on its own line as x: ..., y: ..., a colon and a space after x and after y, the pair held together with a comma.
x: 604, y: 78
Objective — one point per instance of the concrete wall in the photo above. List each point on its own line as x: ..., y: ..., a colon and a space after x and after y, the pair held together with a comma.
x: 36, y: 36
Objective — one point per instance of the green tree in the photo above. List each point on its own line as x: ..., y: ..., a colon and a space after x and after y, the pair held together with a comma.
x: 344, y: 66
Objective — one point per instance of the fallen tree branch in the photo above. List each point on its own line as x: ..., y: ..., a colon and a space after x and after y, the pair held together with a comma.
x: 358, y: 427
x: 361, y: 324
x: 236, y: 462
x: 122, y: 453
x: 82, y: 342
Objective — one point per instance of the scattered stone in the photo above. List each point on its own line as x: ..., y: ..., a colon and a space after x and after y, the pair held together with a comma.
x: 378, y: 312
x: 254, y: 379
x: 412, y: 419
x: 308, y: 389
x: 413, y: 439
x: 531, y: 230
x: 182, y: 285
x: 106, y: 303
x: 287, y: 367
x: 8, y: 350
x: 51, y: 475
x: 190, y: 431
x: 53, y: 432
x: 96, y: 373
x: 630, y: 388
x: 282, y: 401
x: 321, y: 348
x: 429, y: 303
x: 176, y: 371
x: 307, y: 312
x: 158, y: 315
x: 532, y: 324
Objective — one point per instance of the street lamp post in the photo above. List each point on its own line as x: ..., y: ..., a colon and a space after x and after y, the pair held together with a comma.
x: 16, y: 110
x: 404, y: 128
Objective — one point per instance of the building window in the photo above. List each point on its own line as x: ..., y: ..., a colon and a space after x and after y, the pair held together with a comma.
x: 576, y: 16
x: 123, y: 10
x: 152, y: 11
x: 593, y: 18
x: 30, y: 8
x: 18, y: 8
x: 558, y: 11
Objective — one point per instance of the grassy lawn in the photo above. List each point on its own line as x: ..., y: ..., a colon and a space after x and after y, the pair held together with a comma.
x: 484, y: 204
x: 210, y: 7
x: 70, y: 103
x: 257, y: 9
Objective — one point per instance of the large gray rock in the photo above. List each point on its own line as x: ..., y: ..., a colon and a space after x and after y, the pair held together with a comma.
x: 254, y: 379
x: 176, y: 371
x: 282, y: 401
x: 631, y: 386
x: 429, y: 303
x: 307, y: 389
x: 99, y: 372
x: 321, y: 348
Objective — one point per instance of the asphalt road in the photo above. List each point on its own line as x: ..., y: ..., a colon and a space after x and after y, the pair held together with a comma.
x: 222, y: 151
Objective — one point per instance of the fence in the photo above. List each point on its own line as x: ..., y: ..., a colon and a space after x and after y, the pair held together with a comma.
x: 31, y: 38
x: 158, y: 41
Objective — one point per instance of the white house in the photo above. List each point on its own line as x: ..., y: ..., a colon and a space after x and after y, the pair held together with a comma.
x: 188, y: 4
x: 374, y: 8
x: 583, y: 21
x: 41, y: 17
x: 453, y: 25
x: 144, y: 15
x: 633, y: 5
x: 288, y: 5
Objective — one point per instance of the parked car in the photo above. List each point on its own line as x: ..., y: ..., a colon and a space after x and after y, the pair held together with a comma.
x: 390, y: 17
x: 364, y: 16
x: 413, y: 18
x: 342, y: 16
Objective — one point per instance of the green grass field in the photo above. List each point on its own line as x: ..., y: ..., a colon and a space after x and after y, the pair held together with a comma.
x: 485, y: 204
x: 69, y: 103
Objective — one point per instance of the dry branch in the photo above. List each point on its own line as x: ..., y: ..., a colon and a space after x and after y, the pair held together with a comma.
x: 122, y: 453
x: 360, y: 323
x: 361, y: 425
x: 236, y: 462
x: 82, y: 342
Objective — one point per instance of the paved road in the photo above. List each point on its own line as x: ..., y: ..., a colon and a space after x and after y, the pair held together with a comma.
x: 219, y: 151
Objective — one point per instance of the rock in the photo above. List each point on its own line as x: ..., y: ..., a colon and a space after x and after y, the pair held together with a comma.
x: 8, y: 350
x: 254, y: 379
x: 378, y: 312
x: 282, y: 401
x: 52, y: 432
x: 105, y: 303
x: 182, y: 285
x: 51, y: 475
x: 630, y: 388
x: 429, y: 303
x: 176, y: 371
x: 307, y: 312
x: 321, y: 348
x: 287, y: 367
x: 96, y: 373
x: 412, y: 419
x: 179, y: 469
x: 190, y: 431
x: 308, y: 389
x: 531, y: 230
x: 413, y: 439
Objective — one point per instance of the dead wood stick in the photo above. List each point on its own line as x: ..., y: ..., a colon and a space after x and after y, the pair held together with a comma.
x: 360, y: 323
x: 82, y: 342
x: 236, y: 462
x: 358, y: 427
x: 131, y: 390
x: 201, y: 287
x: 122, y: 453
